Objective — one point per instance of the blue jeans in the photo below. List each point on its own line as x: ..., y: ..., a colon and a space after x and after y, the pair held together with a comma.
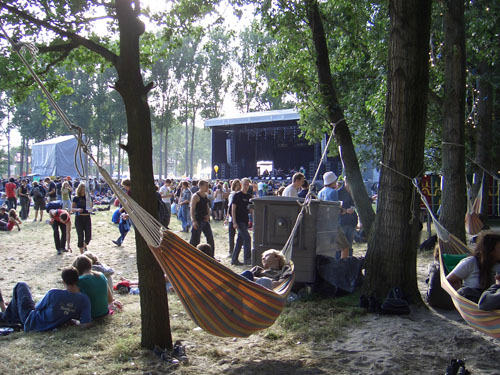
x: 124, y: 228
x: 20, y: 305
x: 245, y: 240
x: 232, y: 233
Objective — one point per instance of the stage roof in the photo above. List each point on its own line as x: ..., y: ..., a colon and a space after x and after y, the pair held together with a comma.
x: 254, y: 117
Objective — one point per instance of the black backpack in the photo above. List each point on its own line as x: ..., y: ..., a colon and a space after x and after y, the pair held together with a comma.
x: 394, y: 304
x: 53, y: 205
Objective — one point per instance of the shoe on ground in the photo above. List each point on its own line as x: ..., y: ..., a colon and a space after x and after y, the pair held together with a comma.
x: 179, y: 352
x: 59, y: 252
x: 116, y: 243
x: 237, y: 263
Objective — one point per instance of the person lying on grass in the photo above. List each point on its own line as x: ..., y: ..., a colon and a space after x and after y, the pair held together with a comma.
x: 57, y: 307
x: 273, y: 271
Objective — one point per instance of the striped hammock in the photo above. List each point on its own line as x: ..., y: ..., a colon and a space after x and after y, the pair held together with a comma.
x: 218, y: 300
x: 473, y: 223
x: 487, y: 322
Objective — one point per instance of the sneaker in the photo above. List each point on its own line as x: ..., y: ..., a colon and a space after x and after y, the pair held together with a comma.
x: 116, y: 243
x: 58, y: 252
x: 236, y: 263
x: 164, y: 355
x: 179, y: 352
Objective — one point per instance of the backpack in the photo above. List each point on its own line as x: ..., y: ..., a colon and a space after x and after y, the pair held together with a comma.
x: 394, y: 304
x: 38, y: 193
x: 53, y: 205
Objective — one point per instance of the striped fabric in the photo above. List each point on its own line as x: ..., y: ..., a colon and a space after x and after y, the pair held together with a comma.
x: 487, y: 322
x: 218, y: 300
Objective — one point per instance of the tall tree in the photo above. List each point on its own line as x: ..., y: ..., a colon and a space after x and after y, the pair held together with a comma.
x: 391, y: 256
x: 453, y: 204
x: 336, y: 116
x: 68, y: 25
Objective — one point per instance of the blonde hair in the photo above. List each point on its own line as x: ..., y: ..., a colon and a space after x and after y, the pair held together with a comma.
x: 92, y: 257
x: 279, y: 254
x: 79, y: 189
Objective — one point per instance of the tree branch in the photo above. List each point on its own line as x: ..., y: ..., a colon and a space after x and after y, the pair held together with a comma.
x: 92, y: 46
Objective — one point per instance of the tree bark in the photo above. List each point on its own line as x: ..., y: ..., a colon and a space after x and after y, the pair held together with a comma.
x: 166, y: 150
x: 119, y: 154
x: 154, y: 304
x: 484, y: 131
x: 453, y: 201
x: 392, y: 249
x: 160, y: 156
x: 23, y: 148
x: 336, y: 116
x: 191, y: 161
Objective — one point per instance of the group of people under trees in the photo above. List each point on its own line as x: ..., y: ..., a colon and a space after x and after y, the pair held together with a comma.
x: 86, y: 296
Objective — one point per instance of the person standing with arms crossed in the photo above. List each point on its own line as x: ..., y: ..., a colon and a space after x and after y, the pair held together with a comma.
x: 200, y: 216
x: 239, y: 213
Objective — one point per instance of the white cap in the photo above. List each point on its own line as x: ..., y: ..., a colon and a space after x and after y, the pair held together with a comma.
x: 329, y: 177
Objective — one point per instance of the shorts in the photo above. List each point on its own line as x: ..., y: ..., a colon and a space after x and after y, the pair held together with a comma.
x: 39, y: 204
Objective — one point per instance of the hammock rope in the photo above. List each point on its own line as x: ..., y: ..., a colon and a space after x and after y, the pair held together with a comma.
x: 218, y: 300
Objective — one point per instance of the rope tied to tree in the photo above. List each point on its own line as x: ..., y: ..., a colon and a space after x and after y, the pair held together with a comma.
x: 413, y: 193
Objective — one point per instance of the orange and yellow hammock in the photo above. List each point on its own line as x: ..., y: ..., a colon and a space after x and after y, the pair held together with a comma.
x: 218, y: 300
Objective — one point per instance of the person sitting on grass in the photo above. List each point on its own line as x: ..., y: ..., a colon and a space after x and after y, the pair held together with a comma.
x: 57, y: 307
x: 273, y: 271
x: 4, y: 219
x: 14, y: 220
x: 95, y: 286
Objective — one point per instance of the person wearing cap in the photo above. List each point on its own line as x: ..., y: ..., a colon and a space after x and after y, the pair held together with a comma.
x: 328, y: 192
x: 292, y: 190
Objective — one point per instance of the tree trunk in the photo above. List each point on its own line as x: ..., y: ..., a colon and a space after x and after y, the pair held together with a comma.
x: 111, y: 161
x: 336, y: 116
x: 453, y: 201
x: 8, y: 152
x: 191, y: 161
x: 119, y: 154
x: 392, y: 249
x: 484, y: 133
x: 154, y: 304
x: 166, y: 150
x: 21, y: 165
x: 160, y: 156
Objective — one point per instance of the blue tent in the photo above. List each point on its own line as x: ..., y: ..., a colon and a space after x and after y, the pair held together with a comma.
x: 54, y: 157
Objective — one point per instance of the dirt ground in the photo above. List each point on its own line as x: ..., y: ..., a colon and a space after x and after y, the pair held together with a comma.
x: 421, y: 343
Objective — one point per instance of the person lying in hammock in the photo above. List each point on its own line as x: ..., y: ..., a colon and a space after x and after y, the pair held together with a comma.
x: 490, y: 299
x: 273, y: 271
x: 474, y: 274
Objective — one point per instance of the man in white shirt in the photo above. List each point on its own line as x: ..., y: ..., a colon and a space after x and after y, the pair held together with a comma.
x: 165, y: 192
x: 292, y: 190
